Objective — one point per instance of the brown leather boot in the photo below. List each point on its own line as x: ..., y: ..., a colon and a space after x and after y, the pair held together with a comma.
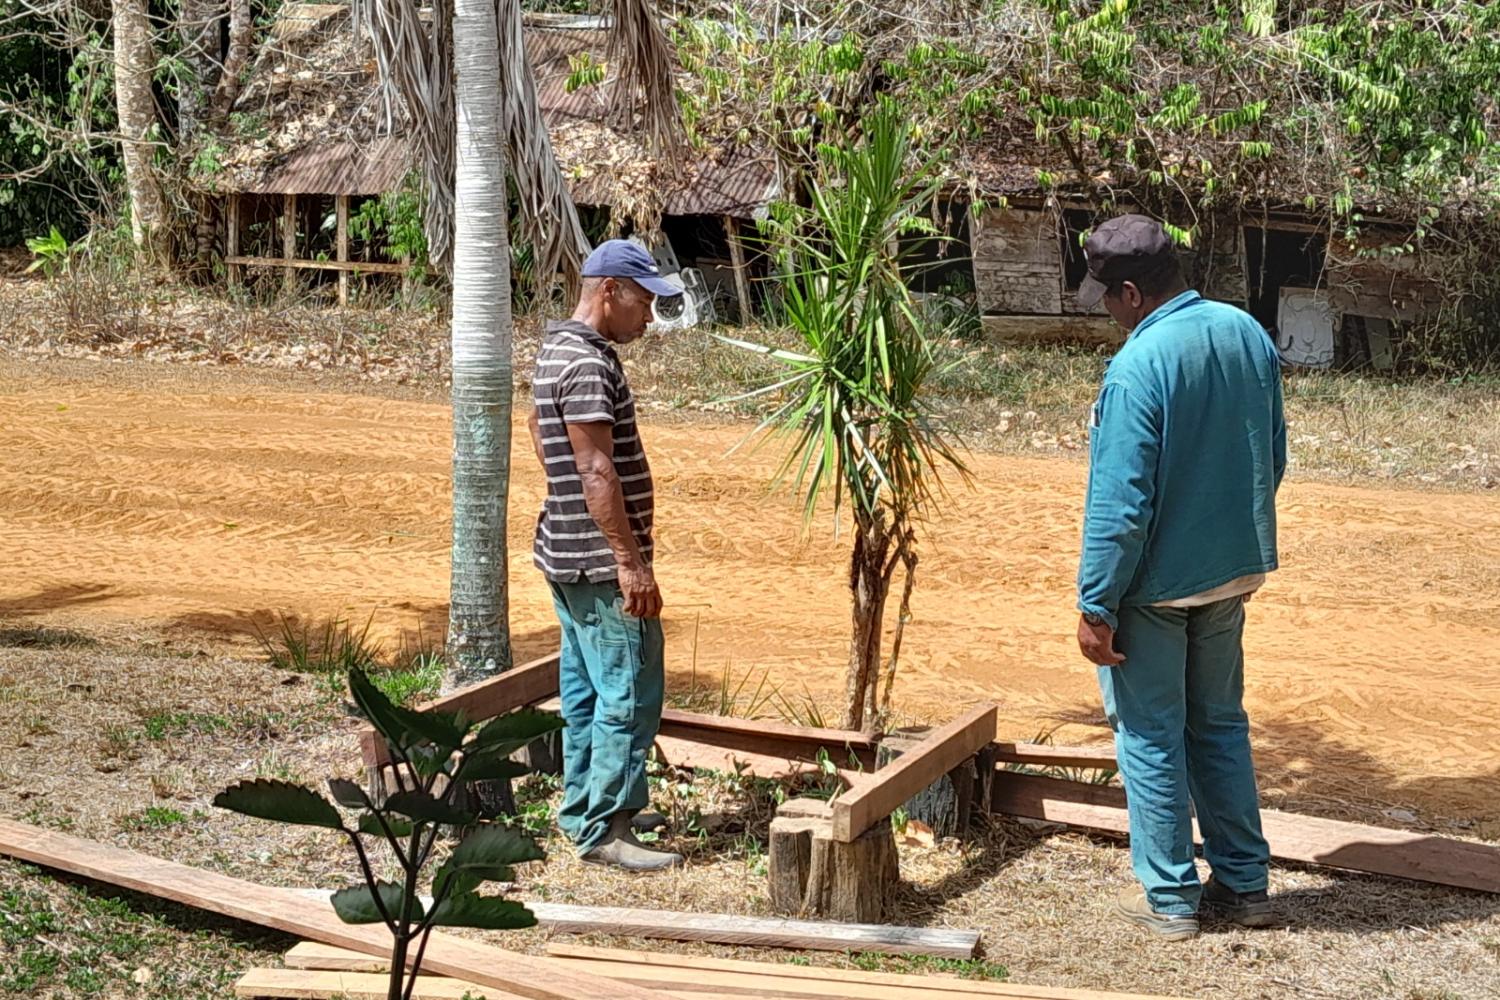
x: 620, y: 848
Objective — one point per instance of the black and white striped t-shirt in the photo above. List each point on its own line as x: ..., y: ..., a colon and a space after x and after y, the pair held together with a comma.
x: 579, y: 380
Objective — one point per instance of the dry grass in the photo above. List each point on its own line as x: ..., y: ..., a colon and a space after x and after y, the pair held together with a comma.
x: 126, y: 737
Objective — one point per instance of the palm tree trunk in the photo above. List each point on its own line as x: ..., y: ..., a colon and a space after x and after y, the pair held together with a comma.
x: 135, y: 61
x: 478, y: 626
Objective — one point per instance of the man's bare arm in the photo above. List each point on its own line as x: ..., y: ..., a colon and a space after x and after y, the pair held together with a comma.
x: 534, y: 425
x: 593, y: 452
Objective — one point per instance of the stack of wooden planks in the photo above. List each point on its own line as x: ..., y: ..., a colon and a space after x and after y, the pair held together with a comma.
x: 320, y: 972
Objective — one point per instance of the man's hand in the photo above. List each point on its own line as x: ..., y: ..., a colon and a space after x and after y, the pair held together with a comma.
x: 642, y: 597
x: 1098, y: 643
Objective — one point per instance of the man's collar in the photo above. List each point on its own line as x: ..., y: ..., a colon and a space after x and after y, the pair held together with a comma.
x: 1166, y: 309
x: 580, y: 329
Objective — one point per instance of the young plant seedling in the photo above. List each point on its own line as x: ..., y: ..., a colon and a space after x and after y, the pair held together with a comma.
x: 438, y: 753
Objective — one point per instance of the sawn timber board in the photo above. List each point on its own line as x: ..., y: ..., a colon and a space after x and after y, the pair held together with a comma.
x: 287, y: 910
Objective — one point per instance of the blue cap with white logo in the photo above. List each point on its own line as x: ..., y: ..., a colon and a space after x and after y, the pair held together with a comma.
x: 624, y: 259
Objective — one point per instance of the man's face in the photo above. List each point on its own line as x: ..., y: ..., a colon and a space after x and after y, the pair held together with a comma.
x: 627, y: 310
x: 1124, y: 304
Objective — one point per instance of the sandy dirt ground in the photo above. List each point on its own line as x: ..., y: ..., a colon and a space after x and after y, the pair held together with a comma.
x: 173, y: 499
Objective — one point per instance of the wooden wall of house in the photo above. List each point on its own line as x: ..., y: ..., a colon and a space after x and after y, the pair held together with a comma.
x: 1017, y: 261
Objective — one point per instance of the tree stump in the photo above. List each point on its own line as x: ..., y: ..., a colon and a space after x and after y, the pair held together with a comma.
x: 947, y: 806
x: 814, y: 876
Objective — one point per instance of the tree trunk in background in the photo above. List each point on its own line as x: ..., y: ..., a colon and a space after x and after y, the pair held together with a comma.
x: 478, y: 622
x: 198, y: 26
x: 135, y: 62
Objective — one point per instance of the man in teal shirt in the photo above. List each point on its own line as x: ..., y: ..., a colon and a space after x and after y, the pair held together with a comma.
x: 1187, y: 449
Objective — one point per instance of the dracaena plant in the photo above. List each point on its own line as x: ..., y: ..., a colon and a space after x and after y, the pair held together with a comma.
x: 437, y: 754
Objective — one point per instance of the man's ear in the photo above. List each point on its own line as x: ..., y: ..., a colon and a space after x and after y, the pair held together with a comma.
x: 1132, y: 294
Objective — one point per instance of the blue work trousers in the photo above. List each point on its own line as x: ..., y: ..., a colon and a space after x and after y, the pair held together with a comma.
x: 1177, y: 708
x: 611, y: 683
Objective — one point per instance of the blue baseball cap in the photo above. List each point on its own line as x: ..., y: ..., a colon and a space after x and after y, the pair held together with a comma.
x: 624, y: 259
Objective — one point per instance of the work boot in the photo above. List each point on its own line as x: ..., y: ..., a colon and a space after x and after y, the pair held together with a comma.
x: 1248, y: 909
x: 1133, y: 905
x: 647, y: 821
x: 620, y: 848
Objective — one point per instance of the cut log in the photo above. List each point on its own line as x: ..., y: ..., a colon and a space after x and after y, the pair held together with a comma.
x: 1422, y: 857
x: 814, y: 875
x: 869, y: 803
x: 949, y: 805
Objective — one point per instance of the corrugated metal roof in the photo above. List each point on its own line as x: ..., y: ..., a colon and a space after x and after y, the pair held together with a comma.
x: 374, y: 167
x: 734, y: 181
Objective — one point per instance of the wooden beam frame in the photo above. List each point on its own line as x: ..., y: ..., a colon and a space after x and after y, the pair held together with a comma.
x: 536, y: 682
x: 515, y: 688
x: 287, y: 910
x: 883, y: 792
x: 1046, y: 755
x: 352, y: 266
x: 1422, y: 857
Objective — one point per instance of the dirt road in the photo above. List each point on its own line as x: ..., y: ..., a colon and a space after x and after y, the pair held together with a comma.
x: 172, y: 498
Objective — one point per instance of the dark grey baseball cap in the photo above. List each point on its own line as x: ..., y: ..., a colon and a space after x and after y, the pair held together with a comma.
x: 1125, y: 247
x: 624, y: 259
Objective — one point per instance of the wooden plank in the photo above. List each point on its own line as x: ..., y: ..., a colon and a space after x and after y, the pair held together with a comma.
x: 301, y: 984
x: 759, y: 932
x: 768, y: 981
x: 232, y: 239
x: 737, y: 262
x: 862, y: 807
x: 327, y: 958
x: 368, y: 267
x: 341, y: 203
x: 515, y: 688
x: 1046, y: 755
x: 287, y: 910
x: 770, y: 738
x: 930, y: 985
x: 1422, y: 857
x: 930, y: 981
x: 304, y: 984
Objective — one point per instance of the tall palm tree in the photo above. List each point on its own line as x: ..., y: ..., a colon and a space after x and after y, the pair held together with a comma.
x: 854, y: 409
x: 471, y: 102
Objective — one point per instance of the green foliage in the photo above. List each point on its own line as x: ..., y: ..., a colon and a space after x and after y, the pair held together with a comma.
x: 854, y: 406
x: 51, y: 253
x: 395, y: 220
x: 438, y: 753
x: 854, y: 411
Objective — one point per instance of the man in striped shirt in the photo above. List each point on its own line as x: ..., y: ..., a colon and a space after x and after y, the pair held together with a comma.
x: 593, y: 543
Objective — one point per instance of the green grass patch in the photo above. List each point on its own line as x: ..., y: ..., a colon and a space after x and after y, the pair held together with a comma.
x: 966, y: 968
x: 156, y: 818
x: 164, y: 725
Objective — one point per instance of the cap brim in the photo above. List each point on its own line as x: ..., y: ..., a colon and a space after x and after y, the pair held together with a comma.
x: 1091, y: 291
x: 659, y: 287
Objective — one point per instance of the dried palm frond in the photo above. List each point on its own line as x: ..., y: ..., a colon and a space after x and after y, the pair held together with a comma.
x: 416, y: 73
x: 548, y: 217
x: 415, y: 59
x: 643, y: 62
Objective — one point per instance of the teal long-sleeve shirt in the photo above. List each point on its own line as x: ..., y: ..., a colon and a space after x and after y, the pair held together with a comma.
x: 1187, y: 447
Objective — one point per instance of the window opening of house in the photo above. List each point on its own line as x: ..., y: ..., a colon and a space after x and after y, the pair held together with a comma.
x: 1075, y: 222
x: 942, y: 264
x: 1277, y: 259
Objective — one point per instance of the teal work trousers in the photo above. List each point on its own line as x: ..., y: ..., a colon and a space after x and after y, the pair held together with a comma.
x: 611, y: 683
x: 1181, y: 735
